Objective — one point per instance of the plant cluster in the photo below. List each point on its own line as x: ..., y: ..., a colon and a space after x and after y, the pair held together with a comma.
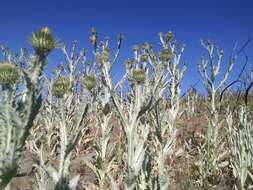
x: 129, y: 134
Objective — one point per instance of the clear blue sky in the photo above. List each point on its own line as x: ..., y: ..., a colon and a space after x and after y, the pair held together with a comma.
x: 223, y: 21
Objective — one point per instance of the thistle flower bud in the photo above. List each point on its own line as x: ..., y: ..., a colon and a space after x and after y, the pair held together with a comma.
x: 9, y: 74
x: 93, y: 36
x: 61, y: 86
x: 139, y: 75
x: 165, y: 55
x: 92, y: 39
x: 89, y: 82
x: 144, y: 58
x: 43, y: 41
x: 129, y: 62
x: 136, y: 48
x: 146, y: 46
x: 170, y: 35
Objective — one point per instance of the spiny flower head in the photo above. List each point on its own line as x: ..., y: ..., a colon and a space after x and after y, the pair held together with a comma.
x: 90, y: 81
x: 144, y: 58
x: 165, y: 55
x: 170, y: 35
x: 139, y: 75
x: 43, y: 41
x: 9, y: 74
x: 61, y: 86
x: 128, y: 62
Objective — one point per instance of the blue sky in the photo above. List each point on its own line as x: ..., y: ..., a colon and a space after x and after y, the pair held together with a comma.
x: 223, y: 21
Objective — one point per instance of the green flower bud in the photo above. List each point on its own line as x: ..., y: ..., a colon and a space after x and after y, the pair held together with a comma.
x: 165, y: 55
x: 60, y: 86
x: 129, y: 62
x: 93, y: 36
x: 136, y: 48
x: 170, y: 35
x: 89, y: 82
x: 144, y: 58
x: 43, y: 41
x: 146, y: 46
x: 9, y: 74
x: 139, y: 75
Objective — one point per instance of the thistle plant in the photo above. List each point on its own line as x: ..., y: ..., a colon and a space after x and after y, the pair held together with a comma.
x: 20, y: 104
x: 102, y: 166
x: 240, y: 140
x: 65, y: 116
x: 166, y: 111
x: 131, y: 125
x: 209, y: 70
x: 102, y: 116
x: 129, y: 116
x: 146, y: 90
x: 69, y: 133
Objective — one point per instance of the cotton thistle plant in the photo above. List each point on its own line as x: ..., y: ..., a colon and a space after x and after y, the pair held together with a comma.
x: 135, y: 154
x: 102, y: 115
x: 42, y: 142
x: 105, y: 151
x: 104, y: 161
x: 209, y: 70
x: 145, y: 104
x: 240, y: 136
x: 8, y: 164
x: 167, y: 109
x: 19, y: 112
x: 66, y: 117
x: 72, y: 120
x: 102, y: 165
x: 69, y: 132
x: 136, y: 131
x: 143, y: 93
